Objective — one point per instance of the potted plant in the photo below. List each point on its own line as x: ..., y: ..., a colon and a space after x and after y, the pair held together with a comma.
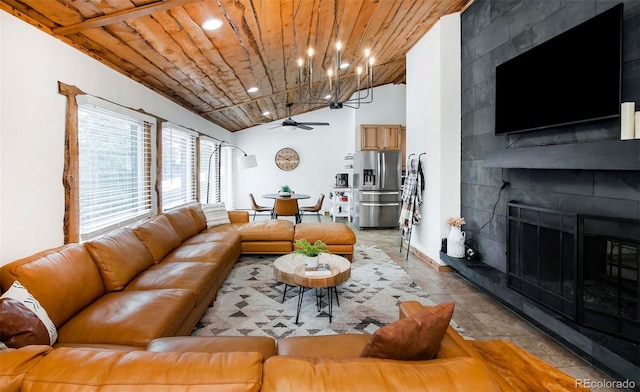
x: 311, y: 251
x: 285, y: 191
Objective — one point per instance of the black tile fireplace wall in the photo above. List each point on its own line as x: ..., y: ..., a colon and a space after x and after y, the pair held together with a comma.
x: 494, y: 31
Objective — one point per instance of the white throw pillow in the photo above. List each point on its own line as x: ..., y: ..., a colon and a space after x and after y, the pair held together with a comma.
x: 216, y: 214
x: 20, y: 293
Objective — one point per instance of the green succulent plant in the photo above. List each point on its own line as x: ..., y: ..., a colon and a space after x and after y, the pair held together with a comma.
x: 285, y: 188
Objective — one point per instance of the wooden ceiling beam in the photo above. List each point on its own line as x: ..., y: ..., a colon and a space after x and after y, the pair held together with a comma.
x: 121, y: 16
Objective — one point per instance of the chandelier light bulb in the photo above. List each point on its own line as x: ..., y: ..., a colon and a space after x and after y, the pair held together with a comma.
x: 371, y: 61
x: 338, y: 46
x: 330, y: 72
x: 310, y: 52
x: 367, y: 52
x: 359, y: 70
x: 300, y: 62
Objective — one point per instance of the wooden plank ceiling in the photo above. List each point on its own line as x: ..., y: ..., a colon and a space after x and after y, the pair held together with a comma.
x: 162, y: 45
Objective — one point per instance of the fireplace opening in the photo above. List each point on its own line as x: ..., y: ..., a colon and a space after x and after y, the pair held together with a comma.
x: 580, y: 266
x: 610, y: 252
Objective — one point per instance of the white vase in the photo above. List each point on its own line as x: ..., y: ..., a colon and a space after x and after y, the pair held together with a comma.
x: 455, y: 242
x: 312, y: 261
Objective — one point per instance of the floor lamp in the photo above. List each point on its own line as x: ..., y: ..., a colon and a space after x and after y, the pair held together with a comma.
x: 244, y: 162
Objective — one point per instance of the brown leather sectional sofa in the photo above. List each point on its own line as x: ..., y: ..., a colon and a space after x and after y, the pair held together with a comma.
x: 121, y: 302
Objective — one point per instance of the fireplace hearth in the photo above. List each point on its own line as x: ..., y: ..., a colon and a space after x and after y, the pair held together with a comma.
x: 582, y: 267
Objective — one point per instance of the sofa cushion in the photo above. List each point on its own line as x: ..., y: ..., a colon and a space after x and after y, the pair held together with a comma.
x: 16, y: 363
x: 129, y: 317
x: 331, y: 233
x: 158, y: 236
x: 23, y: 320
x: 120, y: 256
x: 416, y: 337
x: 323, y: 346
x: 196, y: 277
x: 212, y: 252
x: 78, y: 369
x: 215, y: 214
x: 294, y: 374
x: 198, y: 216
x: 264, y: 345
x: 264, y: 230
x: 183, y: 223
x: 65, y: 280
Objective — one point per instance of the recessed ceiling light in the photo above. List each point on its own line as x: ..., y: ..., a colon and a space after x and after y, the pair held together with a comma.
x: 212, y: 24
x: 252, y: 89
x: 266, y: 113
x: 344, y: 65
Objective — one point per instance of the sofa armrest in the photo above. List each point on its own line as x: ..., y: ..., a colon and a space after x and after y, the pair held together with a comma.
x: 238, y: 216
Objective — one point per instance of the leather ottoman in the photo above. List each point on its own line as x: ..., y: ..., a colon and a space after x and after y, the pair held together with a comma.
x: 338, y: 236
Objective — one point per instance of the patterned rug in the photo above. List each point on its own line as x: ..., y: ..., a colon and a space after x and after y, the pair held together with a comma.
x: 250, y: 300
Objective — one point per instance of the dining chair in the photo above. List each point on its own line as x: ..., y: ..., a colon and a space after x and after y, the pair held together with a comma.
x: 286, y: 207
x: 313, y: 209
x: 257, y: 208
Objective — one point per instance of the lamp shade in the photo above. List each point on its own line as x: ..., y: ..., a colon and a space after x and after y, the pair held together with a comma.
x: 247, y: 161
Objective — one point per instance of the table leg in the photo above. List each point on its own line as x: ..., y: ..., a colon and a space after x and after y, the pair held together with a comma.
x: 300, y: 295
x: 285, y: 292
x: 337, y: 298
x: 329, y: 289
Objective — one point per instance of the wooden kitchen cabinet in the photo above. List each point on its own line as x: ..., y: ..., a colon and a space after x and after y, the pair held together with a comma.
x: 380, y: 137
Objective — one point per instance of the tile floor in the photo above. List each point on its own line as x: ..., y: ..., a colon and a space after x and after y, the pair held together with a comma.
x: 480, y: 315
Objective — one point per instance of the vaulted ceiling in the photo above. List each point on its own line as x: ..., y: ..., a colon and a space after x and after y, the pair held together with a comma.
x: 162, y: 45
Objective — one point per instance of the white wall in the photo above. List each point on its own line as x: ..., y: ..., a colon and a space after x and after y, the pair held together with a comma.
x: 321, y: 150
x: 433, y: 126
x: 32, y: 128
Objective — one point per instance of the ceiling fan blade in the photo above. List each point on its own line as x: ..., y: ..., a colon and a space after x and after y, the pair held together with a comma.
x: 303, y: 126
x: 315, y: 123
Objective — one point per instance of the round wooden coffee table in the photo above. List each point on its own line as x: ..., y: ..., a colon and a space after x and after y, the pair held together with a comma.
x: 285, y: 268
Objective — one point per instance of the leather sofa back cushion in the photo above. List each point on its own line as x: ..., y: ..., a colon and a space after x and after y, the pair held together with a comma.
x: 65, y: 280
x: 158, y: 236
x: 183, y: 222
x: 77, y: 369
x: 294, y: 374
x: 416, y: 337
x: 198, y: 217
x: 120, y: 256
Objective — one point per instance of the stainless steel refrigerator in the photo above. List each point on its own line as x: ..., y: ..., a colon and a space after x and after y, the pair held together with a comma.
x: 377, y: 177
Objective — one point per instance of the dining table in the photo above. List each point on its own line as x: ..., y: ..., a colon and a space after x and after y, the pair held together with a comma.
x: 296, y: 196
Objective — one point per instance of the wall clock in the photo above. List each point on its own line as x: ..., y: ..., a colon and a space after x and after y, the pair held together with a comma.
x: 287, y: 159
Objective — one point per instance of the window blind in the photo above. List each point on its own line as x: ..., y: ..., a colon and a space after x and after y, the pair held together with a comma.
x: 207, y: 178
x: 114, y: 169
x: 179, y: 177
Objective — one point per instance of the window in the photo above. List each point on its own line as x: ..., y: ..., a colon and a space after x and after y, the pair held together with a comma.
x: 114, y: 165
x: 216, y: 173
x: 179, y: 169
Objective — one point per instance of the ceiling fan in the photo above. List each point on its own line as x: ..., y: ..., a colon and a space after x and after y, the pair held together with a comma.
x: 290, y: 124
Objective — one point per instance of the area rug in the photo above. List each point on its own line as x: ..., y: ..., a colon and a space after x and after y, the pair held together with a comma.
x: 249, y: 303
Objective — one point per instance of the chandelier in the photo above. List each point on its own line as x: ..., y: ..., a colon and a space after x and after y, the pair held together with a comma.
x: 335, y: 73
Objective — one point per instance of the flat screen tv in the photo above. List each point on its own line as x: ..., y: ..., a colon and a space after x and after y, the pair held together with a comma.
x: 573, y: 77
